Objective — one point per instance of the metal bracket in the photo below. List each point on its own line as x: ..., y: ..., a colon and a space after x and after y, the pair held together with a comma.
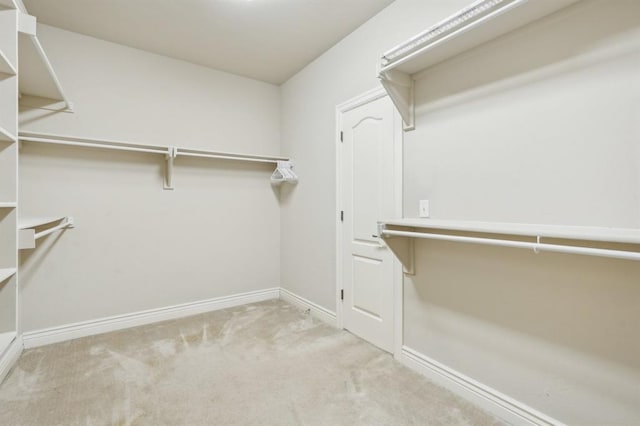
x: 172, y: 153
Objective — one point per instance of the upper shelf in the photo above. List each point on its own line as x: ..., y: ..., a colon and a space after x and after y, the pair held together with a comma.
x: 38, y: 79
x: 586, y: 233
x: 476, y: 24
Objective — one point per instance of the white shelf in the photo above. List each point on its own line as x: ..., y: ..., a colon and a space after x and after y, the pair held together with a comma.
x: 586, y: 233
x: 170, y: 153
x: 401, y: 240
x: 6, y: 136
x: 480, y: 22
x: 6, y: 273
x: 38, y: 79
x: 8, y: 204
x: 6, y: 67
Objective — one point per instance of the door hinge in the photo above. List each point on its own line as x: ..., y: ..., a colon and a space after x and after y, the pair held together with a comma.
x: 341, y: 215
x: 341, y: 136
x: 341, y: 294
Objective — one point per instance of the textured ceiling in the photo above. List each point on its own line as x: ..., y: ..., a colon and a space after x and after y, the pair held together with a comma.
x: 268, y: 40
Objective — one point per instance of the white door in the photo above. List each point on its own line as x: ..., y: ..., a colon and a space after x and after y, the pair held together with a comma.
x: 368, y: 184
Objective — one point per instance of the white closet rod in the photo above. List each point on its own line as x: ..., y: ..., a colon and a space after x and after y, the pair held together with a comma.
x: 225, y: 157
x: 154, y: 149
x: 537, y: 246
x: 67, y: 223
x: 92, y: 145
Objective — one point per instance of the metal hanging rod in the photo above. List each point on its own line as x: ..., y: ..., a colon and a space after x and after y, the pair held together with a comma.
x: 68, y: 223
x: 27, y: 236
x: 130, y: 146
x: 535, y: 246
x: 92, y: 145
x: 170, y: 152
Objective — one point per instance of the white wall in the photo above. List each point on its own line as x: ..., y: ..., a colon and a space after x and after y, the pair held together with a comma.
x: 308, y: 126
x: 136, y: 246
x: 540, y: 126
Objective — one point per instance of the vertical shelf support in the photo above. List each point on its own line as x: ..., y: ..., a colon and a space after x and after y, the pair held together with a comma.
x: 172, y: 153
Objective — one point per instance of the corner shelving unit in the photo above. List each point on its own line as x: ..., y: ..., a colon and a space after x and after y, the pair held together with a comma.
x: 8, y: 175
x: 478, y: 23
x: 41, y: 88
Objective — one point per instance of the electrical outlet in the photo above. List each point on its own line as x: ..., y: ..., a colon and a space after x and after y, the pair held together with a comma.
x: 423, y: 208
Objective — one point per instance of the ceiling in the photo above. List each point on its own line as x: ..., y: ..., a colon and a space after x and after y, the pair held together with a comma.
x: 268, y: 40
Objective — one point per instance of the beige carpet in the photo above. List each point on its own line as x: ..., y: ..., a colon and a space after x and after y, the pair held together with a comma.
x: 267, y: 363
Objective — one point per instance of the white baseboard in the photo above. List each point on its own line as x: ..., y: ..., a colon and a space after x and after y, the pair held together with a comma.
x: 316, y: 310
x: 508, y: 409
x: 9, y: 357
x: 63, y: 333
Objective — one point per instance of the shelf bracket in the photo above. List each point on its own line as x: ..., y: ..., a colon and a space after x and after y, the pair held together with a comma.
x: 402, y: 248
x: 399, y: 86
x: 172, y: 153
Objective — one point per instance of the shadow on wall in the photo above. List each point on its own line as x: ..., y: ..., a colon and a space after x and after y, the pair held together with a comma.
x: 562, y: 43
x: 33, y: 258
x: 588, y: 304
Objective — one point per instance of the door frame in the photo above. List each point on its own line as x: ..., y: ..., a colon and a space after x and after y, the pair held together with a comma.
x: 398, y: 275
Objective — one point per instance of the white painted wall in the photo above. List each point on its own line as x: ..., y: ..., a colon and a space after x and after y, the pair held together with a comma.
x: 308, y: 126
x: 136, y: 246
x: 541, y: 127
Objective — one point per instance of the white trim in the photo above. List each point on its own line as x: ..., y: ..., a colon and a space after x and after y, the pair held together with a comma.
x: 316, y: 310
x: 365, y: 98
x: 398, y: 271
x: 10, y: 356
x: 487, y: 398
x: 104, y: 325
x: 362, y: 99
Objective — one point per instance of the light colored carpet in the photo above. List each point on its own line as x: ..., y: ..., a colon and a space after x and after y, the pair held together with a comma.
x: 266, y: 363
